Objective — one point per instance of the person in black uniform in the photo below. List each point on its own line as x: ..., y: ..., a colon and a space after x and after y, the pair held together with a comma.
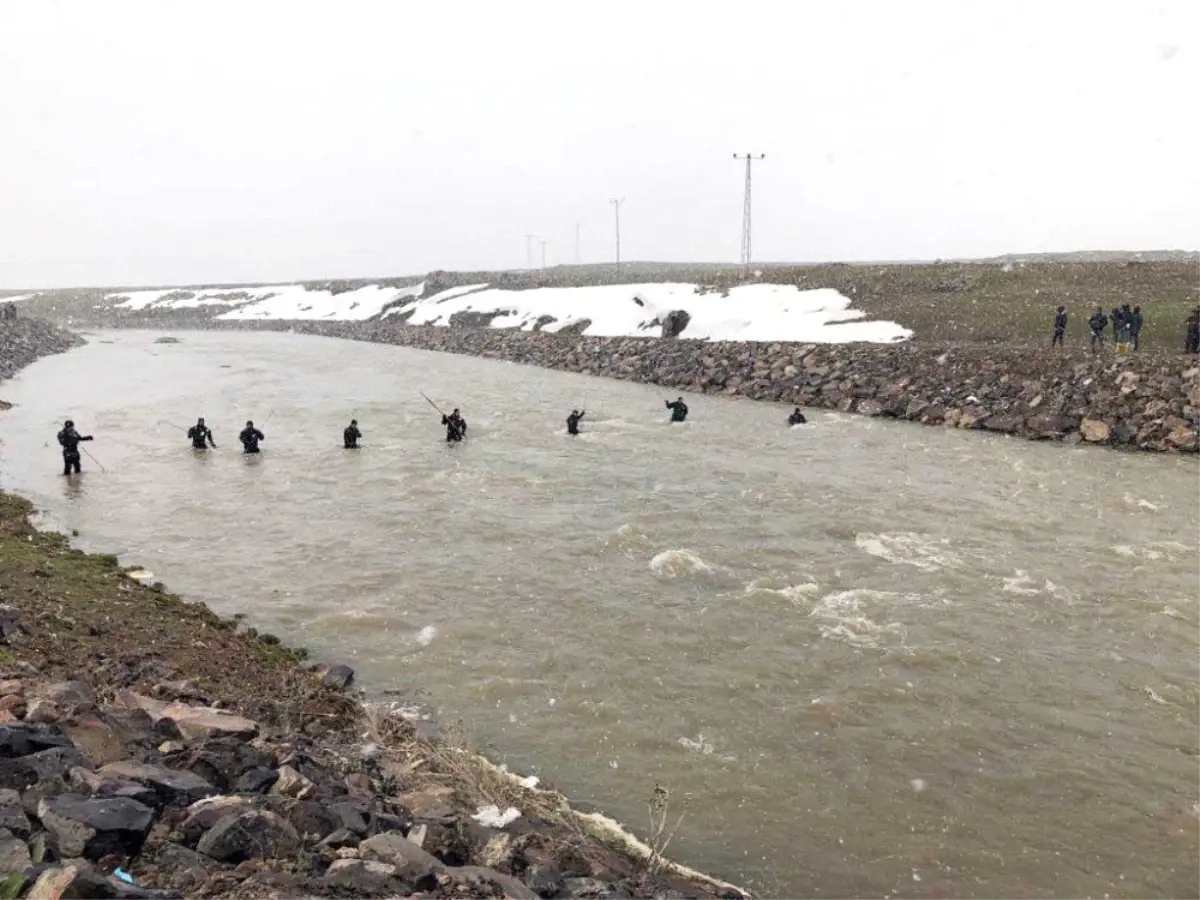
x: 573, y: 421
x: 350, y: 435
x: 250, y: 436
x: 1060, y: 327
x: 797, y: 417
x: 456, y: 427
x: 201, y: 436
x: 69, y: 439
x: 678, y: 410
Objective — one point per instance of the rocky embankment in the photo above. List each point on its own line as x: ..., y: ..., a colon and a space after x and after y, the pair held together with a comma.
x: 1147, y: 401
x: 151, y: 749
x: 24, y: 340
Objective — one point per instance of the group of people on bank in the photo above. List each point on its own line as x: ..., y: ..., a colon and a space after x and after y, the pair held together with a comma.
x: 1126, y: 327
x: 202, y: 437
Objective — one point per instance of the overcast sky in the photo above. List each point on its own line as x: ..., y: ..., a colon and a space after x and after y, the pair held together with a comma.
x: 163, y: 142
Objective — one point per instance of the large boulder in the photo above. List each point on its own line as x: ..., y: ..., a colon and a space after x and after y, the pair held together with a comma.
x: 674, y: 322
x: 95, y: 827
x: 253, y: 834
x: 174, y: 787
x: 193, y: 722
x: 414, y: 865
x: 1095, y: 431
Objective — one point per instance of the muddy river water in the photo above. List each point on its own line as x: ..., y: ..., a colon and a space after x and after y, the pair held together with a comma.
x: 880, y: 659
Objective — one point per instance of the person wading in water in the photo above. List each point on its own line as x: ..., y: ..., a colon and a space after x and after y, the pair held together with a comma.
x: 69, y: 439
x: 250, y: 437
x: 201, y: 436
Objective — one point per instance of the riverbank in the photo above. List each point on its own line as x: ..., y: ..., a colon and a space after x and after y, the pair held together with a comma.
x: 1145, y: 401
x: 143, y: 733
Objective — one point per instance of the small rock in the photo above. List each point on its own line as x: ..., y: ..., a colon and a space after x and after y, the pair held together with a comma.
x: 68, y: 696
x: 203, y: 815
x: 594, y: 889
x: 291, y: 783
x: 173, y: 786
x: 472, y: 876
x: 85, y: 781
x: 1094, y: 431
x: 43, y: 766
x: 12, y: 814
x: 193, y: 722
x: 168, y: 748
x: 73, y: 881
x: 99, y: 742
x: 256, y: 781
x: 430, y: 803
x: 12, y: 686
x: 358, y: 784
x: 24, y: 739
x: 338, y: 677
x: 351, y: 816
x: 343, y: 837
x: 361, y: 877
x: 89, y: 827
x: 14, y: 854
x: 253, y: 834
x: 180, y: 690
x: 417, y: 834
x: 42, y: 711
x: 412, y: 863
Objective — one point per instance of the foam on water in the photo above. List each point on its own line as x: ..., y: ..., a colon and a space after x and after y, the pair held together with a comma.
x: 842, y: 617
x: 677, y: 563
x: 426, y: 635
x: 907, y: 548
x: 794, y: 593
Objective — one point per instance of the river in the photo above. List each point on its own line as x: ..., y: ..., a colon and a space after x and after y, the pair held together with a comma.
x: 880, y: 659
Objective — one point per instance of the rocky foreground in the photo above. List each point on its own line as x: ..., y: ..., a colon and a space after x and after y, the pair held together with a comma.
x: 1145, y: 401
x: 151, y: 749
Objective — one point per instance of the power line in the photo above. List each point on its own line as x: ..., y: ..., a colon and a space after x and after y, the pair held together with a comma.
x: 543, y: 240
x: 529, y: 250
x: 749, y: 158
x: 617, y: 213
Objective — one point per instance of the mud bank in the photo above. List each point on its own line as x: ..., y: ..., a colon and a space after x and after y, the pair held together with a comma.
x: 1146, y: 401
x: 149, y: 748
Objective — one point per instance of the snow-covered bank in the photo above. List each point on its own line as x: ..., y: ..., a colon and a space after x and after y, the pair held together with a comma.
x: 752, y: 312
x: 279, y: 301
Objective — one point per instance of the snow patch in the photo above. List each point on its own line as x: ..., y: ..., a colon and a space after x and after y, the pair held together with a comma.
x: 749, y: 312
x: 280, y: 301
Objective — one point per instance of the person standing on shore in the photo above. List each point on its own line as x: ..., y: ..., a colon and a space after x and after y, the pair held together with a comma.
x: 350, y: 435
x: 1123, y: 329
x: 678, y: 410
x: 201, y: 436
x: 250, y: 436
x: 1060, y: 327
x: 69, y: 439
x: 1097, y: 322
x: 1136, y: 328
x: 573, y: 421
x: 1191, y: 341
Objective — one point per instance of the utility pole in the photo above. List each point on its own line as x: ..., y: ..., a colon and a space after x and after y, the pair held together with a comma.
x: 529, y: 250
x: 543, y: 240
x: 576, y: 243
x: 617, y: 213
x: 749, y: 158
